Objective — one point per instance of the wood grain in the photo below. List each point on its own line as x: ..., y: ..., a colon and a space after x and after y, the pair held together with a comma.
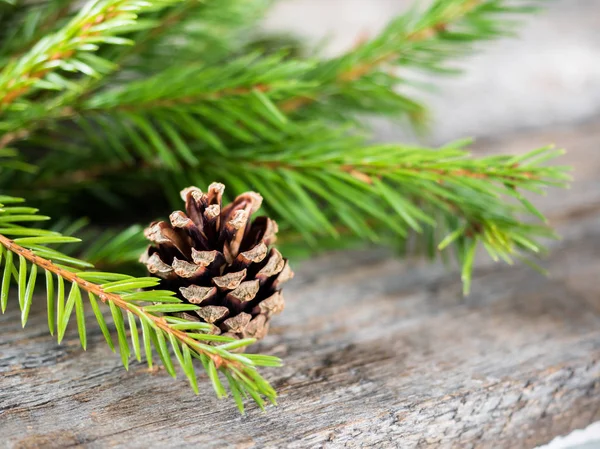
x: 378, y: 352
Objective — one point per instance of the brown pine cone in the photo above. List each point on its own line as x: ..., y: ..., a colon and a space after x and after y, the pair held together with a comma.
x: 215, y: 257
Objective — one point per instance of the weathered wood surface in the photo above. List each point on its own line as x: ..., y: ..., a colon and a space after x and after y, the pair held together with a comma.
x: 378, y: 353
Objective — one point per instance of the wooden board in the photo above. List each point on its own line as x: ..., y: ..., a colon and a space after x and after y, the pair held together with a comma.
x: 378, y: 352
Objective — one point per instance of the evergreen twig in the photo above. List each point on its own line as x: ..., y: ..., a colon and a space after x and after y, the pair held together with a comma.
x: 24, y: 249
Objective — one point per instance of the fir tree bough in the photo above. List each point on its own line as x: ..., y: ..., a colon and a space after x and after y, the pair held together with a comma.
x: 108, y: 108
x: 24, y: 251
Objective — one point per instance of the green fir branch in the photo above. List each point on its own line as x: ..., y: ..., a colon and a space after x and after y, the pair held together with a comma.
x: 445, y: 195
x: 218, y: 93
x: 134, y: 305
x: 53, y: 62
x: 155, y: 119
x: 129, y: 142
x: 367, y: 79
x: 244, y: 89
x: 326, y: 184
x: 26, y: 22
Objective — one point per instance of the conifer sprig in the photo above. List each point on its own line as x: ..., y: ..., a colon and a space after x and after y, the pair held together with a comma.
x: 153, y: 127
x: 51, y: 63
x: 371, y: 77
x: 68, y: 50
x: 336, y: 89
x: 133, y: 304
x: 326, y: 186
x: 444, y: 196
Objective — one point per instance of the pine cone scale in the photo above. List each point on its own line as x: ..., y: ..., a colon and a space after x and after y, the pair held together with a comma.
x: 196, y: 294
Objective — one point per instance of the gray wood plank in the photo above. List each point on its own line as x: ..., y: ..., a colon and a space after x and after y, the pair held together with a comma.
x: 378, y: 353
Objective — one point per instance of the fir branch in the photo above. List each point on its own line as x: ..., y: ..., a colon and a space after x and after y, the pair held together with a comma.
x: 403, y: 190
x: 209, y: 95
x: 58, y: 50
x: 221, y: 119
x: 68, y: 50
x: 320, y: 179
x: 27, y: 23
x: 155, y: 119
x: 188, y: 339
x: 425, y: 40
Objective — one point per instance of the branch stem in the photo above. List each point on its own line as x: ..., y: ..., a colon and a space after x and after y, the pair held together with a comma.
x: 361, y: 171
x: 97, y: 290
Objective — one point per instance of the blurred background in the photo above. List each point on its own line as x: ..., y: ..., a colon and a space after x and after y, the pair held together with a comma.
x: 549, y: 76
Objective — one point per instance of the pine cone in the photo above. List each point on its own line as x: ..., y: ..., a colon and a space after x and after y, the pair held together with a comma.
x: 215, y: 257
